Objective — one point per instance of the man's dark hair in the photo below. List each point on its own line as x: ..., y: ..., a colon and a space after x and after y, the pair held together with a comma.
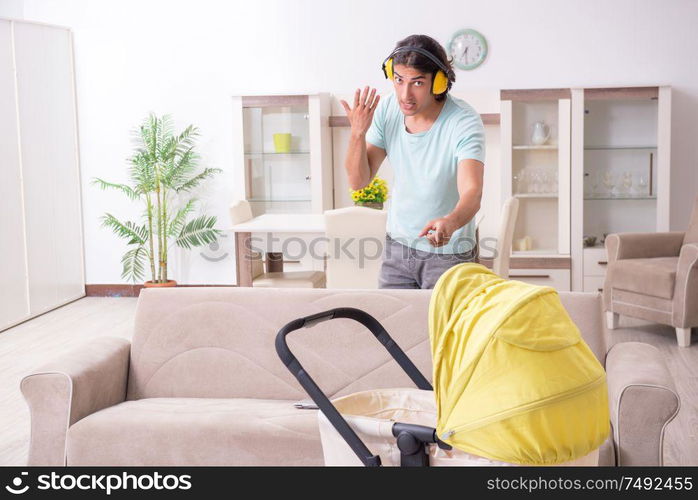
x: 422, y: 63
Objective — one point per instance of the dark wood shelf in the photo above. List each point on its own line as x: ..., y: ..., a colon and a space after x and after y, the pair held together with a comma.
x: 265, y: 101
x: 534, y: 94
x: 600, y: 94
x: 534, y: 262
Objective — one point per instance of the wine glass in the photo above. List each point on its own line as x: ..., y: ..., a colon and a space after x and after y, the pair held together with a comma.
x: 536, y: 180
x: 627, y: 181
x: 642, y: 184
x: 520, y: 181
x: 608, y: 181
x: 595, y: 181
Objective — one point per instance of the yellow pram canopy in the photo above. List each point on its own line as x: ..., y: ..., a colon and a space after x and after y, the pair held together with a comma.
x: 513, y: 378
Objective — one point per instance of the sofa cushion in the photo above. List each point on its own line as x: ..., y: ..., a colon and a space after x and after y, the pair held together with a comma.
x: 655, y: 277
x: 196, y: 431
x: 218, y: 342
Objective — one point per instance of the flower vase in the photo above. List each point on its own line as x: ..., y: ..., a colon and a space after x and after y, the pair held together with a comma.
x: 378, y: 205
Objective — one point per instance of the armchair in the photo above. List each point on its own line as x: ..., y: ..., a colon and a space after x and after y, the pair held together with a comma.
x: 654, y: 276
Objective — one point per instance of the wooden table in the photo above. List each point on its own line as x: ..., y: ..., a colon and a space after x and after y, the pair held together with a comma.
x: 270, y: 223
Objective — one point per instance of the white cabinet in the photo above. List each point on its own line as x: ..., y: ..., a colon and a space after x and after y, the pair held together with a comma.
x: 14, y: 300
x: 283, y: 153
x: 604, y: 168
x: 40, y: 213
x: 620, y: 170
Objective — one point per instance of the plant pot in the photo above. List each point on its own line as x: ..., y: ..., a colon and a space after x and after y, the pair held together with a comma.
x: 378, y: 205
x: 168, y: 284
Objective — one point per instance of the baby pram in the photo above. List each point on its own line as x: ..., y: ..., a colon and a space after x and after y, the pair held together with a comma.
x: 547, y: 408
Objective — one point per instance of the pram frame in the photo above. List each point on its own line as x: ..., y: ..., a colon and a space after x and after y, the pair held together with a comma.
x: 412, y: 439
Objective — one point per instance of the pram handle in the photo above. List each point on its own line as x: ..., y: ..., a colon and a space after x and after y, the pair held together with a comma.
x: 316, y: 393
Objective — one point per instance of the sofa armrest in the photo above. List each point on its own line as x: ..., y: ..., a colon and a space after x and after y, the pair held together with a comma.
x: 643, y: 400
x: 643, y: 245
x: 685, y: 314
x: 73, y: 386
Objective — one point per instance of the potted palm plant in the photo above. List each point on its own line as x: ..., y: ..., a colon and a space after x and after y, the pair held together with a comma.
x: 373, y: 195
x: 163, y: 175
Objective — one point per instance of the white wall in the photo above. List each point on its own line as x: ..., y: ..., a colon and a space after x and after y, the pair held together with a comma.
x: 13, y: 9
x: 188, y: 57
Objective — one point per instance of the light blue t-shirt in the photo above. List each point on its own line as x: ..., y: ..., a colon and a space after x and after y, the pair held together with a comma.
x: 425, y: 166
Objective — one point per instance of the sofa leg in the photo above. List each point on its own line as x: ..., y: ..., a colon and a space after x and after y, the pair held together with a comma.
x: 683, y: 335
x: 612, y: 320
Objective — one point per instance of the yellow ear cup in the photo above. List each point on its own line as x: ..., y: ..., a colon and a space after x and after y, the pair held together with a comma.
x: 440, y: 84
x: 389, y: 68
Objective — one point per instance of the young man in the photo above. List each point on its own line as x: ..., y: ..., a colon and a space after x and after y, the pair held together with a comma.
x: 436, y: 145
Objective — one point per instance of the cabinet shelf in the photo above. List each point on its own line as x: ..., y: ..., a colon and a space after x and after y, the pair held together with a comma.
x: 603, y: 145
x: 292, y: 176
x: 614, y: 148
x: 535, y: 195
x: 620, y: 198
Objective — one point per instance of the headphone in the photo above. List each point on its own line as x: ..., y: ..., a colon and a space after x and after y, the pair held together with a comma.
x: 440, y: 80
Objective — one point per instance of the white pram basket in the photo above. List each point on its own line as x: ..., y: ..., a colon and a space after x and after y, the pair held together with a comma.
x: 372, y: 415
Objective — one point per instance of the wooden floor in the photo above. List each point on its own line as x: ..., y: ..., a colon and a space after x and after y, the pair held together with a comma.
x: 27, y: 346
x: 30, y: 344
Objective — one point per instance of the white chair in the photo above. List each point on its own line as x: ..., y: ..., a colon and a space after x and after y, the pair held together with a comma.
x: 357, y: 263
x: 240, y: 211
x: 500, y: 264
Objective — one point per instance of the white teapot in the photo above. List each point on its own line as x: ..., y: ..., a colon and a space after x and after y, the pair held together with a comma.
x: 541, y: 133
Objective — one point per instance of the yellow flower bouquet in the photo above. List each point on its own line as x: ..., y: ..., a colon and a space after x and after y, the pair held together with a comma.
x: 373, y: 195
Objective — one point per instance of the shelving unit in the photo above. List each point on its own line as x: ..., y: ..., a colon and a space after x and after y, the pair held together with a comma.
x: 538, y: 175
x: 295, y: 181
x: 610, y: 149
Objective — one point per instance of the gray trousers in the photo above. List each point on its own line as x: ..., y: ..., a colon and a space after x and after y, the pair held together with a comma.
x: 406, y: 267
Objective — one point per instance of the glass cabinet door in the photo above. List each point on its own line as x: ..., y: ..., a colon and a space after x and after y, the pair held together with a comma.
x: 620, y: 166
x: 277, y: 157
x: 536, y: 126
x: 620, y: 171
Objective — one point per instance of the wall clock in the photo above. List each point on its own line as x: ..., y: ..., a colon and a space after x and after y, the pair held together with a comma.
x: 468, y: 48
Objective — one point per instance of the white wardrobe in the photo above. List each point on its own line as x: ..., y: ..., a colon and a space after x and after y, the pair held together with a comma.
x: 41, y: 242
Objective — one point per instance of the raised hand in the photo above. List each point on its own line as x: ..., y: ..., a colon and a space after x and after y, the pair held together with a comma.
x: 361, y: 115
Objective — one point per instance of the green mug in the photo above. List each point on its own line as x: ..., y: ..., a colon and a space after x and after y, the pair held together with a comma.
x: 282, y: 143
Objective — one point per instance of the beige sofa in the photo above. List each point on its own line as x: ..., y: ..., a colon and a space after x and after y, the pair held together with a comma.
x: 201, y: 384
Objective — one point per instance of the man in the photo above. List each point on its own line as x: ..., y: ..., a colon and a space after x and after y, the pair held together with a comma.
x: 436, y: 145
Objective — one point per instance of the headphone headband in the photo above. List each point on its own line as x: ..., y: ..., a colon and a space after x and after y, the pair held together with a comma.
x: 424, y: 52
